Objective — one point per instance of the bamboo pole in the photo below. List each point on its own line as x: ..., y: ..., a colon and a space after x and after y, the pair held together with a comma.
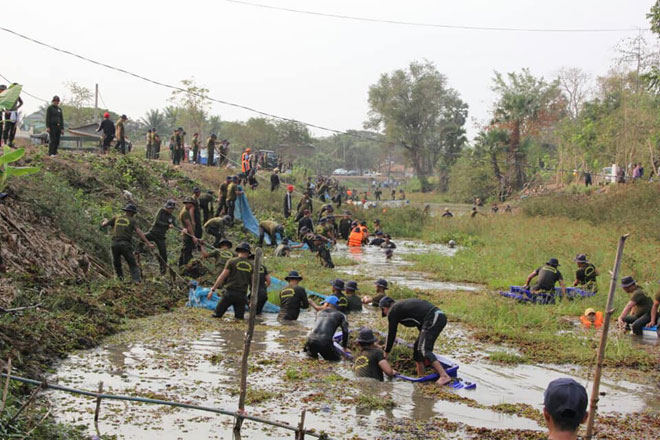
x: 248, y: 339
x: 593, y: 404
x: 6, y: 389
x: 300, y: 434
x: 98, y: 409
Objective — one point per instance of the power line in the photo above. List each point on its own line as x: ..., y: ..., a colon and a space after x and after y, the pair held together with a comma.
x: 431, y: 25
x: 259, y: 112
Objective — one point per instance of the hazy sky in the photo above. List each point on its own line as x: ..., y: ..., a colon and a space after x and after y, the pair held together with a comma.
x: 315, y: 69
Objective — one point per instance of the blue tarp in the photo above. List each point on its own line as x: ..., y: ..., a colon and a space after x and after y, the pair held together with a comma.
x: 197, y: 298
x: 525, y: 295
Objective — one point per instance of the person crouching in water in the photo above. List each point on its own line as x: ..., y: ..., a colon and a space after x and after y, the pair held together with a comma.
x: 371, y: 361
x: 320, y: 340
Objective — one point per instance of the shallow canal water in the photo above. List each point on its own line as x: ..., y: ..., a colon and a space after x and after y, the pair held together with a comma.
x: 187, y: 357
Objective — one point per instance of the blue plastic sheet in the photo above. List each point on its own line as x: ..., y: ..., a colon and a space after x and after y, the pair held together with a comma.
x: 197, y: 298
x: 525, y: 295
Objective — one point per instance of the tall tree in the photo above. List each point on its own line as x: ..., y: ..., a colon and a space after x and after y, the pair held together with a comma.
x: 154, y: 118
x: 525, y: 105
x: 194, y: 104
x: 417, y: 110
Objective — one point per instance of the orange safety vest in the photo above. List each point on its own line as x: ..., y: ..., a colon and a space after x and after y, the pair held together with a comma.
x: 245, y: 162
x: 598, y: 323
x: 355, y: 239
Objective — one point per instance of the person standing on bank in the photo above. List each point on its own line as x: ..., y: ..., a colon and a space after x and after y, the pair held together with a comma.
x: 120, y: 134
x: 54, y: 125
x: 195, y: 148
x: 108, y: 128
x: 429, y: 320
x: 288, y: 201
x: 236, y: 278
x: 210, y: 150
x: 123, y: 227
x: 274, y: 180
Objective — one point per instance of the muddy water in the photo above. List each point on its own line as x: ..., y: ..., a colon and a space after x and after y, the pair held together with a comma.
x: 185, y: 356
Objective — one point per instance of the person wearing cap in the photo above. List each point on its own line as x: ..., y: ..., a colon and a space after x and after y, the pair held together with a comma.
x: 123, y: 227
x: 637, y: 312
x: 591, y: 319
x: 354, y: 301
x: 306, y: 221
x: 210, y: 150
x: 54, y: 125
x: 378, y: 193
x: 356, y: 236
x: 427, y: 318
x: 108, y: 128
x: 293, y: 297
x: 345, y: 225
x: 585, y: 276
x: 320, y: 243
x: 206, y: 204
x: 305, y: 204
x: 177, y: 148
x: 221, y: 254
x: 120, y: 134
x: 273, y: 229
x: 381, y: 287
x: 307, y: 237
x: 548, y: 275
x: 338, y: 292
x: 235, y: 279
x: 224, y: 152
x: 188, y: 231
x: 274, y: 180
x: 198, y: 225
x: 163, y: 222
x: 387, y: 244
x: 321, y: 338
x: 195, y: 148
x: 507, y: 209
x: 447, y: 213
x: 371, y: 361
x: 222, y: 197
x: 288, y: 201
x: 245, y: 161
x: 564, y: 408
x: 155, y: 152
x: 216, y: 228
x: 326, y: 210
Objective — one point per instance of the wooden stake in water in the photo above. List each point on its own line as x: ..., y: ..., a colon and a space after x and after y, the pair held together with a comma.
x: 248, y: 339
x: 98, y: 409
x: 593, y: 404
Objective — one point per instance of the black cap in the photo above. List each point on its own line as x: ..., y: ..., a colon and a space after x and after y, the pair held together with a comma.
x: 225, y: 242
x: 366, y: 336
x: 55, y: 98
x: 227, y: 219
x: 352, y: 285
x: 381, y: 283
x: 124, y: 117
x: 130, y: 208
x: 627, y: 281
x: 244, y: 247
x: 566, y: 401
x: 228, y: 178
x: 170, y: 204
x: 553, y: 262
x: 338, y: 284
x: 196, y: 190
x: 293, y: 275
x: 209, y: 192
x: 188, y: 200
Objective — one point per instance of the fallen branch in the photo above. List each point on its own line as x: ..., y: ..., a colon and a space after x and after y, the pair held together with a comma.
x: 18, y: 309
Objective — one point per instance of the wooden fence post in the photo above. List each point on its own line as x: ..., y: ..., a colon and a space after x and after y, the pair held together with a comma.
x: 300, y: 434
x: 98, y: 409
x: 258, y: 254
x: 6, y: 389
x: 593, y: 404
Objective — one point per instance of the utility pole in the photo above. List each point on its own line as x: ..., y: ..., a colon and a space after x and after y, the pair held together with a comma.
x: 96, y: 104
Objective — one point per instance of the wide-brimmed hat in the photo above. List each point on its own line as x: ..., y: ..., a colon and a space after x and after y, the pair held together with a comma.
x: 337, y: 284
x: 196, y: 190
x: 381, y: 283
x: 293, y: 275
x: 225, y: 242
x: 366, y: 336
x: 352, y: 285
x: 188, y: 200
x: 581, y: 258
x: 244, y: 247
x: 130, y: 208
x: 170, y: 204
x: 627, y: 281
x: 385, y: 301
x: 553, y: 262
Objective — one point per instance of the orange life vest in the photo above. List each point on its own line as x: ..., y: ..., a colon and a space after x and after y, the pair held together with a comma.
x: 245, y: 162
x: 598, y: 322
x: 355, y: 239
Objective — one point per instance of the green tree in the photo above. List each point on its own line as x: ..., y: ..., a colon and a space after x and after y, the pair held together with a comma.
x: 525, y: 105
x: 76, y: 105
x: 154, y: 118
x: 416, y: 109
x: 194, y: 104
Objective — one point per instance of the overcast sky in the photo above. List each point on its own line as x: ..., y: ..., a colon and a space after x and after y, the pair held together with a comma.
x: 316, y: 69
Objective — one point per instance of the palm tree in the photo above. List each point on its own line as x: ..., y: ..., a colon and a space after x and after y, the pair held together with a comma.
x: 155, y: 119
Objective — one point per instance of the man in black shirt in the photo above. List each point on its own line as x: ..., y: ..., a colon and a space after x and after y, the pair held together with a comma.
x: 292, y: 298
x: 320, y: 340
x: 206, y: 205
x: 371, y: 361
x: 274, y: 180
x: 306, y: 221
x: 108, y: 129
x: 585, y: 276
x: 447, y: 213
x: 428, y: 319
x: 197, y: 213
x: 387, y: 244
x: 345, y: 225
x: 378, y: 240
x: 235, y: 278
x: 164, y: 222
x: 338, y: 292
x: 354, y: 301
x: 54, y: 125
x: 548, y: 275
